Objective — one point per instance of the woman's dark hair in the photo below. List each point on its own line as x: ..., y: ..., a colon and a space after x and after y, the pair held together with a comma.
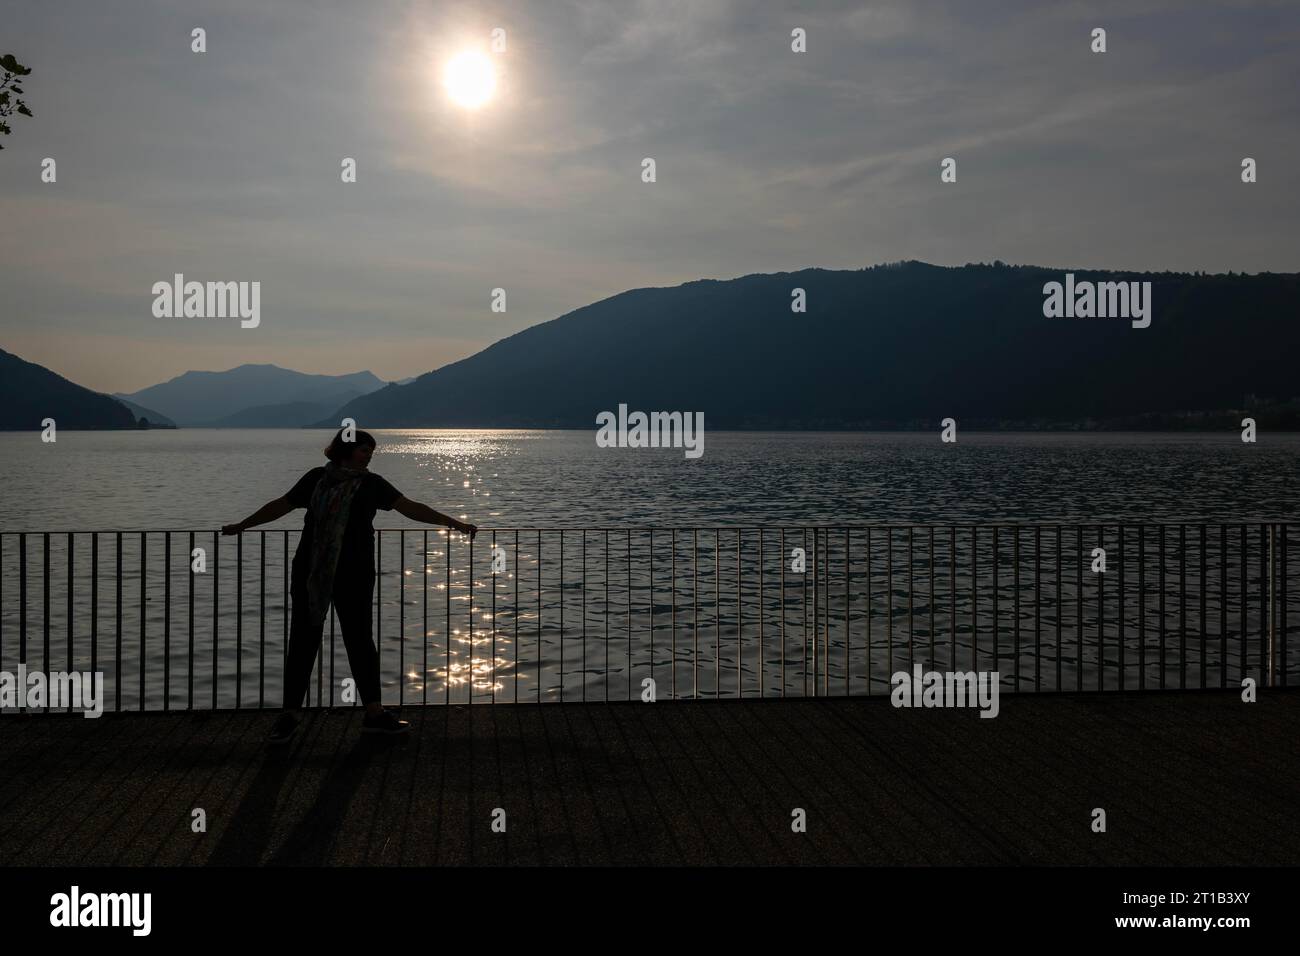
x: 341, y: 450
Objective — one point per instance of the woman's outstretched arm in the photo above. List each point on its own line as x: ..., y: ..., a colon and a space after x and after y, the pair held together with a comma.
x: 418, y: 512
x: 268, y: 512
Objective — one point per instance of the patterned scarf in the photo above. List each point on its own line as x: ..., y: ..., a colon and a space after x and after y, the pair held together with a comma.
x: 331, y: 502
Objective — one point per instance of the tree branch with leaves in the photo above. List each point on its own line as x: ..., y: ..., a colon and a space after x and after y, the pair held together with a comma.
x: 10, y: 104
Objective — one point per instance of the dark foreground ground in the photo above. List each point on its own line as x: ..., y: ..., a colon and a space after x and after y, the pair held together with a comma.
x: 1196, y: 778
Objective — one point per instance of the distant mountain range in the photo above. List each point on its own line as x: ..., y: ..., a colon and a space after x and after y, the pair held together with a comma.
x: 237, y: 398
x: 891, y: 346
x: 253, y: 396
x: 30, y: 393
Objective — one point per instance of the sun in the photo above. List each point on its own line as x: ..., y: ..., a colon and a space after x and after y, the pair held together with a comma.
x: 470, y: 79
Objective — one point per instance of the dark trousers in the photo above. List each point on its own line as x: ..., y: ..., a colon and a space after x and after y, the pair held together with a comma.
x: 353, y: 596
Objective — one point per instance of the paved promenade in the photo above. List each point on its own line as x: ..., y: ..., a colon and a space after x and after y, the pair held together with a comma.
x: 1185, y: 778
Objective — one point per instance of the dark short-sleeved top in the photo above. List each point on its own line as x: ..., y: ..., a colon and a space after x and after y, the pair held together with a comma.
x: 358, y: 552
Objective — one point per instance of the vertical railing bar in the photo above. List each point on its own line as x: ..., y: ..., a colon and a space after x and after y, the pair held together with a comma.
x: 826, y: 656
x: 286, y: 600
x: 1078, y: 596
x: 1038, y: 609
x: 1242, y: 671
x: 869, y: 610
x: 1204, y: 628
x: 650, y: 601
x: 1122, y: 609
x: 1101, y: 616
x: 1142, y: 607
x: 1060, y: 609
x: 848, y: 605
x: 1223, y: 606
x: 446, y: 628
x: 740, y: 650
x: 804, y: 584
x: 826, y: 603
x: 45, y: 616
x: 717, y: 616
x: 470, y: 572
x: 1265, y: 607
x: 695, y: 612
x: 816, y: 621
x: 94, y: 599
x: 22, y: 608
x: 401, y: 618
x: 783, y: 609
x: 606, y: 615
x: 2, y: 606
x: 889, y: 602
x: 997, y: 597
x: 424, y: 633
x: 239, y: 619
x: 1282, y: 600
x: 189, y: 597
x: 952, y: 589
x: 562, y: 612
x: 911, y: 617
x: 932, y: 596
x: 1182, y: 606
x: 761, y: 662
x: 22, y: 601
x: 974, y: 598
x: 584, y: 614
x: 651, y: 595
x: 167, y: 619
x: 143, y: 571
x: 540, y: 614
x: 494, y: 616
x: 629, y: 614
x: 68, y: 623
x: 261, y: 620
x: 672, y: 623
x: 1162, y: 605
x: 821, y: 567
x: 379, y: 623
x: 69, y: 615
x: 1015, y: 607
x: 517, y: 574
x: 118, y: 658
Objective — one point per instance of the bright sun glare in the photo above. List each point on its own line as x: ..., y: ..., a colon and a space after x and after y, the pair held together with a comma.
x: 470, y: 79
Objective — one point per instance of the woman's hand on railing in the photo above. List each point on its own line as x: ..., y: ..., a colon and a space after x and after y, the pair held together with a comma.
x: 273, y: 509
x: 463, y: 528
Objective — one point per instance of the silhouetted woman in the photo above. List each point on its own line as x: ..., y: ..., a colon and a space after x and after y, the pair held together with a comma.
x: 335, y: 562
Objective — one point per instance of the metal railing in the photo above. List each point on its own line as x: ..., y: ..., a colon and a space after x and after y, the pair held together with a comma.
x: 189, y: 619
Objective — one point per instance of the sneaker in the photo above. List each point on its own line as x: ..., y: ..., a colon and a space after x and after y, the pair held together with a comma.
x: 384, y: 722
x: 286, y: 725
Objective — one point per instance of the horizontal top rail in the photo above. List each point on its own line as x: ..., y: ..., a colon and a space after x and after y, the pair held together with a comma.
x: 488, y: 529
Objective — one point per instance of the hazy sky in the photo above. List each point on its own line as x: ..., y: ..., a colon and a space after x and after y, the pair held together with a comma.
x: 225, y: 165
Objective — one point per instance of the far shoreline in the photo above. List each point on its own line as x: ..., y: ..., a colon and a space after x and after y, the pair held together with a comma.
x: 975, y: 429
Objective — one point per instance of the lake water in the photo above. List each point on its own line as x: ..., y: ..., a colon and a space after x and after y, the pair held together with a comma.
x: 713, y: 612
x: 192, y: 479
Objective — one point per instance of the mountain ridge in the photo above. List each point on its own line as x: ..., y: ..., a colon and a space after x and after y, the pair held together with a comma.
x: 201, y: 397
x: 31, y: 393
x: 881, y: 346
